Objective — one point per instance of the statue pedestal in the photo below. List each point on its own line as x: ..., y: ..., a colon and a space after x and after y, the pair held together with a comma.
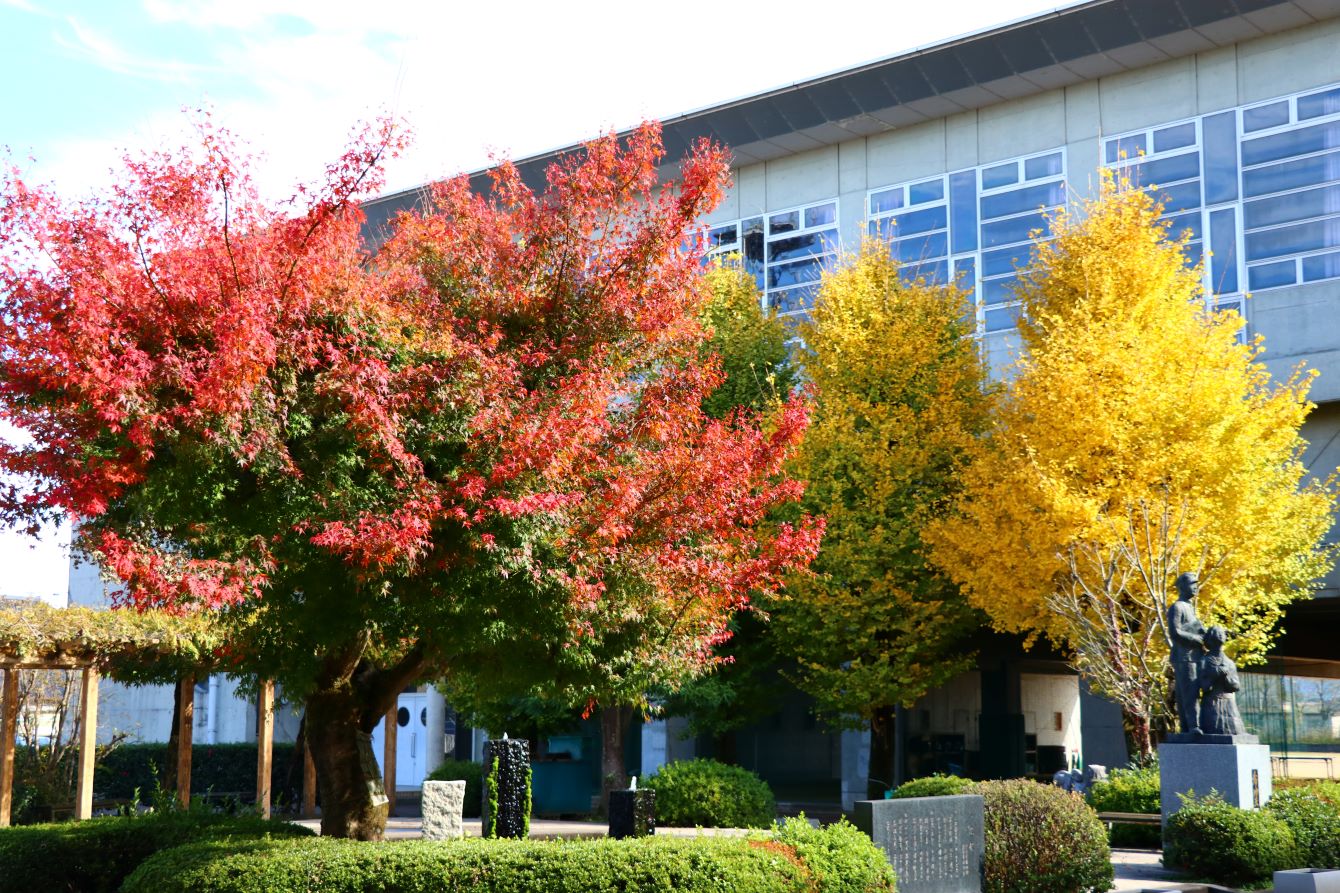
x: 1238, y: 772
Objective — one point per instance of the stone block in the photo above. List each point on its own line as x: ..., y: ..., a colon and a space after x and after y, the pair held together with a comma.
x: 443, y: 804
x: 935, y: 844
x: 632, y: 813
x: 506, y: 806
x: 1308, y: 880
x: 1239, y: 773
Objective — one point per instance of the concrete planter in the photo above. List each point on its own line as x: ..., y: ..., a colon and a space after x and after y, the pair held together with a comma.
x: 1308, y: 880
x: 442, y: 806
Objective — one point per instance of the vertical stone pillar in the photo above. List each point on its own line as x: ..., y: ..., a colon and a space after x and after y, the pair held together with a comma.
x: 506, y: 811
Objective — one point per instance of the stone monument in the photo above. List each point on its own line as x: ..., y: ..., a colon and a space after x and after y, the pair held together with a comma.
x: 443, y: 807
x: 506, y: 794
x: 1212, y: 752
x: 632, y: 812
x: 935, y: 844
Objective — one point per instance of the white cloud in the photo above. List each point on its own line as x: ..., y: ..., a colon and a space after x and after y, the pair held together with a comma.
x: 87, y: 44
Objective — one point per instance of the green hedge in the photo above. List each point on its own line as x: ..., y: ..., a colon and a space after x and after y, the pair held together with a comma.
x: 95, y: 856
x: 1135, y: 789
x: 691, y: 793
x: 1042, y: 839
x: 794, y: 860
x: 1314, y: 822
x: 933, y: 786
x: 472, y: 774
x: 221, y: 768
x: 1214, y: 840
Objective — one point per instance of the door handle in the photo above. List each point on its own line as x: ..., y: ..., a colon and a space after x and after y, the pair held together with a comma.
x: 413, y: 740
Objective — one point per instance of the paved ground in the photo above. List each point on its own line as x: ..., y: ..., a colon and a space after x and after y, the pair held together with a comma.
x: 1143, y: 870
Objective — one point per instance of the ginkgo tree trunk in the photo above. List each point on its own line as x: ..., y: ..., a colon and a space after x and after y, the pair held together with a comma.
x: 1139, y: 438
x: 467, y: 453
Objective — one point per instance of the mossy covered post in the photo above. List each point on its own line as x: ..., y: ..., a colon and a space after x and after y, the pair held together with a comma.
x: 506, y: 796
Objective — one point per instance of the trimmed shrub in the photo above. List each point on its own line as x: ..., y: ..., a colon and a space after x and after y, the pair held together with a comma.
x: 95, y: 856
x: 794, y: 861
x: 1315, y: 824
x: 472, y: 774
x: 1325, y: 790
x: 216, y: 768
x: 690, y: 793
x: 933, y: 786
x: 1135, y: 789
x: 1213, y: 840
x: 1042, y: 839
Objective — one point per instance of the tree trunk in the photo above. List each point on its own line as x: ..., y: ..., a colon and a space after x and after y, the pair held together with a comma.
x: 167, y: 780
x: 1140, y: 738
x: 353, y: 801
x: 879, y: 776
x: 613, y: 770
x: 726, y: 751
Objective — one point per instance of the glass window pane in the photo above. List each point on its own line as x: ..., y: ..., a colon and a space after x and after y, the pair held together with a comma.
x: 821, y: 215
x: 1005, y: 260
x: 1016, y: 229
x: 1182, y: 223
x: 886, y: 200
x: 920, y: 248
x: 1303, y: 141
x: 791, y: 300
x: 723, y: 235
x: 784, y: 223
x: 1002, y: 318
x: 1126, y: 147
x: 1315, y: 105
x: 1264, y: 116
x: 1178, y: 198
x: 1293, y: 239
x: 1224, y: 246
x: 798, y: 273
x: 1000, y: 175
x: 1220, y: 145
x: 1165, y: 170
x: 930, y: 191
x: 1046, y: 166
x: 999, y: 291
x: 802, y: 246
x: 965, y: 271
x: 1175, y: 137
x: 1291, y: 207
x: 1292, y: 174
x: 963, y: 210
x: 918, y: 221
x: 752, y: 230
x: 1321, y: 266
x: 1016, y: 201
x: 1270, y: 275
x: 1193, y: 252
x: 936, y: 272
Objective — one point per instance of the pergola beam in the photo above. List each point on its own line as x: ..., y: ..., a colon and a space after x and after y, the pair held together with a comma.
x: 9, y: 716
x: 185, y: 738
x: 88, y: 742
x: 265, y: 739
x: 388, y: 758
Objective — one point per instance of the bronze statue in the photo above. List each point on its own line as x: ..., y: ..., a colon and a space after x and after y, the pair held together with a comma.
x: 1218, y: 680
x: 1187, y: 639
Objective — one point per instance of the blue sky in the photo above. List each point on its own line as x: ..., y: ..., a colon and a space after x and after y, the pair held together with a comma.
x: 87, y: 81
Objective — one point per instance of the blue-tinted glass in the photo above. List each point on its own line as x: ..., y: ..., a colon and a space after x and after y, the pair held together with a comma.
x: 934, y: 272
x: 783, y: 223
x: 920, y: 248
x: 1292, y: 174
x: 792, y: 299
x: 1321, y: 266
x: 1303, y: 141
x: 1294, y: 206
x: 930, y: 191
x: 1293, y: 239
x: 1224, y: 245
x: 821, y: 215
x: 1000, y: 175
x: 1234, y: 305
x: 1028, y: 198
x: 1219, y: 139
x: 1005, y: 260
x: 965, y: 269
x: 1016, y: 229
x: 963, y: 210
x: 1046, y: 166
x: 886, y: 200
x: 798, y: 273
x: 1315, y: 105
x: 1175, y: 137
x: 1182, y: 222
x: 1270, y: 275
x: 998, y: 291
x: 1165, y: 170
x: 1126, y: 147
x: 722, y: 235
x: 752, y: 230
x: 1193, y: 252
x: 918, y: 221
x: 802, y: 246
x: 1002, y: 318
x: 1264, y: 116
x: 1178, y: 198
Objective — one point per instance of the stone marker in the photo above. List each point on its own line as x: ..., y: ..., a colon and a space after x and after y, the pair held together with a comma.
x: 935, y: 844
x: 1308, y: 880
x: 632, y: 812
x: 443, y: 804
x: 506, y: 794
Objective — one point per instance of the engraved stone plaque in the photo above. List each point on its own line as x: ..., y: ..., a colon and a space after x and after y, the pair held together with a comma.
x: 934, y: 844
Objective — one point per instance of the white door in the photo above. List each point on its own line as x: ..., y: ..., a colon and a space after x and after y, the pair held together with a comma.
x: 411, y: 737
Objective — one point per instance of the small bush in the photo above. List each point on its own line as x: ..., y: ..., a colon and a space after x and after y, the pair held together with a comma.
x: 1211, y: 839
x: 95, y: 856
x: 933, y: 786
x: 1041, y: 839
x: 1135, y: 789
x: 472, y: 774
x: 215, y: 768
x: 794, y: 860
x: 1325, y: 790
x: 711, y: 794
x: 1315, y: 824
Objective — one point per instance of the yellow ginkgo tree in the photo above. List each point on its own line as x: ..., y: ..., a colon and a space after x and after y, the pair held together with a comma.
x: 1139, y: 438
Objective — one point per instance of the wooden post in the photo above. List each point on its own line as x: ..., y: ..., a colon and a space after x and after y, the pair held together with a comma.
x: 388, y: 758
x: 8, y: 729
x: 88, y: 742
x: 308, y: 781
x: 265, y: 739
x: 185, y: 738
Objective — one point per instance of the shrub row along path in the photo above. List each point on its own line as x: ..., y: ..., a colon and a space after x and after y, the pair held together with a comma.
x: 1135, y: 869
